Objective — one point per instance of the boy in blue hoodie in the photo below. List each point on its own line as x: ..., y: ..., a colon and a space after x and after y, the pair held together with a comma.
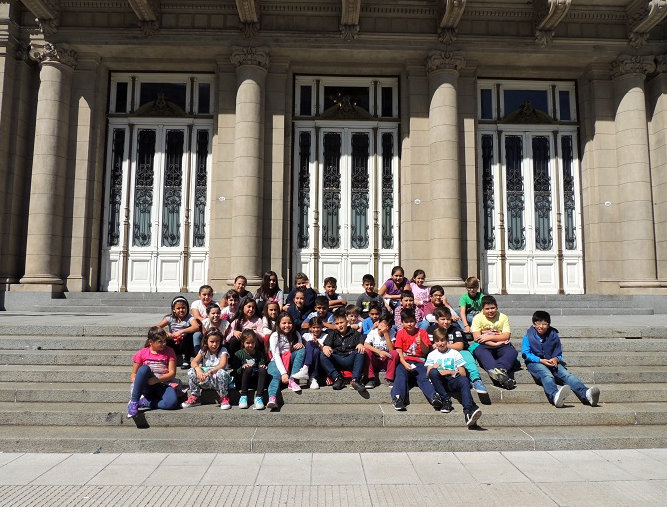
x: 542, y: 352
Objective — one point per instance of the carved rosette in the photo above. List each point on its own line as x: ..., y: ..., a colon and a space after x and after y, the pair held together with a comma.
x: 626, y: 64
x: 250, y: 56
x: 445, y: 60
x: 50, y: 53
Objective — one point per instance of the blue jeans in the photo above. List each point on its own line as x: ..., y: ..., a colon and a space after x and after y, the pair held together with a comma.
x: 336, y: 362
x: 502, y: 357
x: 297, y: 362
x: 403, y: 379
x: 445, y: 384
x: 161, y: 395
x: 548, y: 376
x: 312, y: 358
x: 196, y: 341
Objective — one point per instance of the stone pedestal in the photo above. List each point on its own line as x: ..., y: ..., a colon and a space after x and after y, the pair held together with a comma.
x: 47, y: 187
x: 633, y: 166
x: 247, y: 196
x: 445, y: 229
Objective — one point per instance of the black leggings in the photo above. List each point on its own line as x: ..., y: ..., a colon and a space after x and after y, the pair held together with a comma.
x: 246, y: 377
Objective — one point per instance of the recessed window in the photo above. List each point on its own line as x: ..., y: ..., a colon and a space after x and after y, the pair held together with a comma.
x: 173, y: 92
x: 358, y: 96
x: 514, y: 99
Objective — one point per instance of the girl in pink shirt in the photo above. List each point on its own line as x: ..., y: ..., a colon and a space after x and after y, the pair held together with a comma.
x: 245, y: 318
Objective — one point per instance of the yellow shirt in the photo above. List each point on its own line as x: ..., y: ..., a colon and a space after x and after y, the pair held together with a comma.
x: 499, y: 323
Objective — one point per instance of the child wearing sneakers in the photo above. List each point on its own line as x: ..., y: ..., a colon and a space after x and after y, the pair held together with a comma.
x: 457, y: 341
x: 208, y: 370
x: 288, y: 353
x: 412, y: 346
x: 251, y: 362
x: 314, y: 339
x: 542, y: 352
x: 343, y: 349
x: 380, y: 353
x: 445, y: 369
x: 491, y: 331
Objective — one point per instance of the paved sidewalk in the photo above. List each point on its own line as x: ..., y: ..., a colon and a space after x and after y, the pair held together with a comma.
x: 614, y: 477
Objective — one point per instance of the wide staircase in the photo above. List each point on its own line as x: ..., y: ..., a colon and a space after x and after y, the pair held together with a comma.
x: 65, y: 388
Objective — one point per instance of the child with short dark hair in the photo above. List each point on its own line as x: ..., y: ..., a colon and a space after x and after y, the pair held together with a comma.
x: 352, y: 314
x: 380, y: 353
x: 335, y: 301
x: 407, y: 303
x: 412, y: 346
x: 364, y: 300
x: 491, y: 330
x: 543, y: 354
x: 302, y: 282
x: 343, y: 349
x: 375, y: 309
x: 445, y: 369
x: 470, y: 303
x: 321, y: 311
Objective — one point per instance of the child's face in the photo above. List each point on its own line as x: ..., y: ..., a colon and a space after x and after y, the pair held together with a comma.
x: 239, y: 285
x: 436, y: 298
x: 233, y: 304
x: 441, y: 345
x: 299, y: 300
x: 273, y: 282
x: 214, y: 315
x: 489, y: 311
x: 249, y: 310
x: 340, y: 324
x: 316, y: 330
x: 180, y: 310
x: 397, y: 277
x: 206, y: 296
x: 473, y: 290
x: 420, y: 279
x: 352, y: 318
x: 410, y: 326
x: 321, y: 310
x: 158, y: 345
x: 249, y: 345
x: 272, y: 311
x: 444, y: 322
x: 369, y: 287
x: 286, y: 325
x: 374, y: 314
x: 541, y: 327
x: 408, y: 302
x: 214, y: 343
x: 330, y: 289
x: 302, y: 283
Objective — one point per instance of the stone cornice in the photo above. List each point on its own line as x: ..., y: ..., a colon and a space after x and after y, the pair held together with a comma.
x: 445, y: 60
x: 249, y: 17
x: 250, y: 56
x: 643, y: 17
x: 47, y: 14
x: 50, y: 53
x: 550, y: 13
x: 627, y: 64
x: 450, y: 20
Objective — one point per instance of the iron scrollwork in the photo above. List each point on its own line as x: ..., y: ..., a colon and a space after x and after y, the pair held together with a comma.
x: 331, y: 191
x: 201, y: 177
x: 387, y: 190
x: 303, y: 198
x: 542, y: 193
x: 116, y: 186
x: 143, y: 188
x: 360, y: 190
x: 516, y: 232
x: 568, y: 194
x: 488, y: 199
x: 173, y: 182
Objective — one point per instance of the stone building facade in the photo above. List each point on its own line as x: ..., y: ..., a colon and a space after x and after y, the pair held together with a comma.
x: 155, y: 146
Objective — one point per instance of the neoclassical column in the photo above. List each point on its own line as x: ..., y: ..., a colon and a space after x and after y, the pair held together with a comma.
x: 637, y: 235
x: 445, y: 229
x: 247, y: 196
x: 47, y: 187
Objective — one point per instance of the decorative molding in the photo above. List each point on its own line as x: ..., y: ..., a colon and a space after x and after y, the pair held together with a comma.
x: 349, y: 19
x: 47, y: 15
x: 250, y: 56
x: 450, y: 20
x: 148, y: 13
x: 345, y: 109
x: 50, y: 53
x: 661, y: 63
x: 626, y: 64
x: 551, y: 13
x: 448, y: 60
x: 248, y: 16
x: 643, y: 16
x: 526, y: 114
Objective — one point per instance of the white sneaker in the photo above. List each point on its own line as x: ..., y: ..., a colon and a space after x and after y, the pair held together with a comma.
x: 314, y: 384
x: 593, y: 395
x: 302, y: 374
x: 561, y: 395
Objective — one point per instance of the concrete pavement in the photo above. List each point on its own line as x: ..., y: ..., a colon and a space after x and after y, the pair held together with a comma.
x: 602, y: 477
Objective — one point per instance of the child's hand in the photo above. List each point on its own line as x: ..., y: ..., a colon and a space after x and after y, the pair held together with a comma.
x: 298, y: 346
x: 201, y: 376
x: 386, y: 354
x: 284, y: 378
x: 418, y: 340
x: 262, y: 366
x: 455, y: 318
x: 247, y: 365
x: 327, y: 350
x: 361, y: 349
x: 177, y: 339
x: 418, y: 302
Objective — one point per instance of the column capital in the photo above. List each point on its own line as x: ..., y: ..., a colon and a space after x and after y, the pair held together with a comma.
x: 257, y: 56
x: 445, y: 60
x: 626, y: 64
x: 661, y: 63
x: 50, y: 53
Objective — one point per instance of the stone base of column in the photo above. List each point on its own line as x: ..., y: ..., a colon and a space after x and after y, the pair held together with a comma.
x: 642, y: 284
x: 39, y: 283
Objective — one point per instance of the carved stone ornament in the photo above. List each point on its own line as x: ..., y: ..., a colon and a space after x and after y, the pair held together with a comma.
x: 249, y: 17
x: 250, y: 56
x: 49, y: 53
x: 661, y: 63
x: 349, y: 32
x: 149, y: 28
x: 445, y: 60
x: 526, y: 114
x: 632, y: 65
x: 450, y: 20
x: 46, y: 14
x: 549, y: 14
x: 349, y: 19
x: 250, y: 29
x: 643, y: 17
x: 345, y: 109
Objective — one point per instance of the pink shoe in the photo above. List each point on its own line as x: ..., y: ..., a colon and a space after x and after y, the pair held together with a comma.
x: 224, y: 403
x: 272, y: 403
x: 294, y: 386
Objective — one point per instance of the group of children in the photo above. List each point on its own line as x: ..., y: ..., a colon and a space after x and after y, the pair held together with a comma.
x: 405, y: 328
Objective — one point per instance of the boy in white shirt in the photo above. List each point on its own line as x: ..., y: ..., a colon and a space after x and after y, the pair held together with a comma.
x: 445, y: 369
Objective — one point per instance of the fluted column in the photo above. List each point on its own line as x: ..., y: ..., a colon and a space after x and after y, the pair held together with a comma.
x: 47, y: 187
x: 633, y: 164
x: 445, y: 230
x: 247, y: 199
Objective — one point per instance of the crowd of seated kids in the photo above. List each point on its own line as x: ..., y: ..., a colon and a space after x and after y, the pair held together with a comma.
x: 249, y: 342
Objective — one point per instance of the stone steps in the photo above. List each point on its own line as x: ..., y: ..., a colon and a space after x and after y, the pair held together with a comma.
x: 126, y: 438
